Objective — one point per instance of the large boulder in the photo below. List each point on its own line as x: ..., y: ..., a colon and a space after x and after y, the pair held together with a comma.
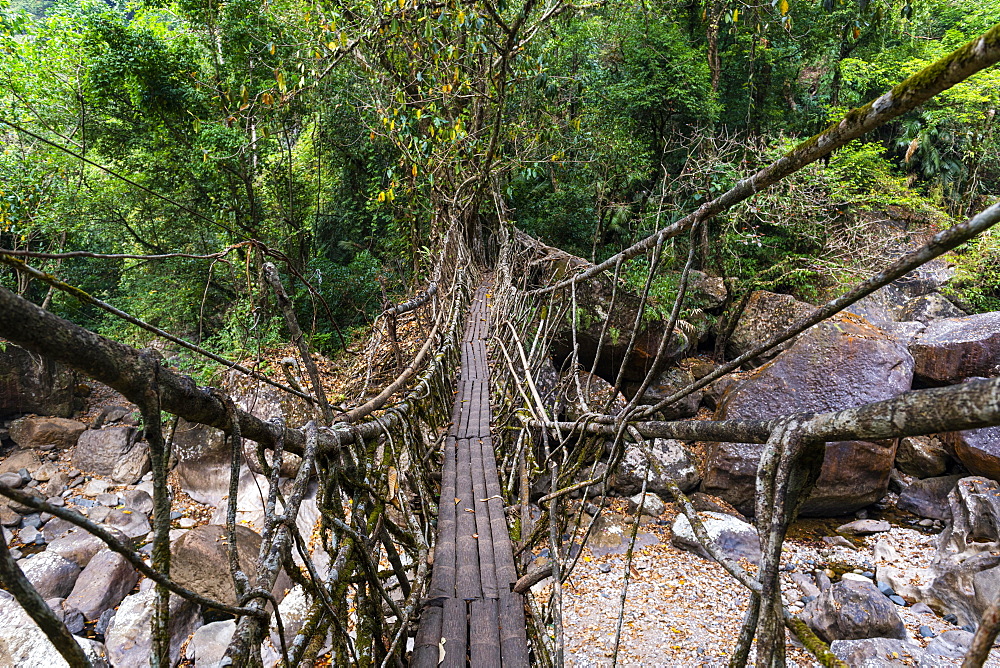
x: 129, y: 638
x: 659, y: 461
x: 879, y: 653
x: 200, y: 561
x: 964, y: 577
x: 666, y: 384
x: 50, y: 574
x: 953, y: 349
x: 80, y: 546
x: 203, y: 461
x: 209, y: 643
x: 33, y: 384
x: 928, y: 497
x: 99, y: 450
x: 46, y: 432
x: 851, y: 610
x: 102, y: 585
x: 765, y: 315
x: 932, y: 306
x: 978, y: 450
x: 587, y: 391
x: 736, y: 539
x: 841, y: 363
x: 922, y: 456
x: 24, y: 645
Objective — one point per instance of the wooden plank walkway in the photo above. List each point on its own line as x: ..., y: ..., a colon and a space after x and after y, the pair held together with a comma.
x: 470, y: 604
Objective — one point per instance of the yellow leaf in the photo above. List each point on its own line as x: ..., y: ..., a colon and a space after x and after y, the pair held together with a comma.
x: 736, y: 15
x: 783, y: 7
x: 414, y: 170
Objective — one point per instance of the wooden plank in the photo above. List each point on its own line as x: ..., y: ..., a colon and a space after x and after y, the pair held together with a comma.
x: 425, y: 646
x: 443, y: 573
x: 484, y: 528
x: 467, y: 578
x: 484, y: 634
x: 513, y: 636
x: 454, y: 631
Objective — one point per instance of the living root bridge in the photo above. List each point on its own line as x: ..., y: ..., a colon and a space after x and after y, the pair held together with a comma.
x: 130, y: 371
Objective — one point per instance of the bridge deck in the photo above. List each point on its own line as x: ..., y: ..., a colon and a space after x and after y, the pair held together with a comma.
x: 471, y: 607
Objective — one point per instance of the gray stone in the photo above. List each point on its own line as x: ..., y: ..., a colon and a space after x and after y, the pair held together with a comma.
x: 80, y: 546
x: 200, y: 561
x: 766, y: 314
x: 202, y: 462
x: 108, y: 499
x: 851, y: 610
x: 11, y: 480
x: 35, y: 432
x: 128, y: 638
x: 879, y: 653
x: 102, y: 585
x: 928, y: 497
x: 29, y: 535
x: 652, y: 505
x: 736, y: 539
x: 110, y: 415
x: 209, y: 643
x: 294, y: 610
x: 952, y: 644
x: 841, y: 363
x: 50, y: 574
x: 57, y: 528
x: 839, y: 541
x: 130, y: 522
x: 99, y: 450
x: 932, y: 306
x: 23, y: 509
x: 806, y: 584
x: 132, y: 464
x: 864, y: 527
x: 978, y: 450
x: 952, y: 349
x: 19, y: 459
x: 922, y: 456
x: 664, y: 385
x: 34, y: 384
x: 8, y: 517
x: 138, y: 499
x: 96, y: 487
x: 73, y: 619
x: 44, y: 472
x: 671, y: 462
x: 24, y: 645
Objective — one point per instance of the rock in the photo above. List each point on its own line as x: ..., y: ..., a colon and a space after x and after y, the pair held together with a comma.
x: 878, y: 653
x: 952, y: 349
x: 102, y: 585
x: 978, y: 450
x: 202, y: 461
x: 850, y: 610
x: 24, y: 645
x: 922, y: 456
x: 138, y: 499
x: 652, y: 505
x: 107, y: 499
x: 80, y: 546
x: 96, y: 487
x: 806, y: 584
x: 200, y: 561
x: 266, y: 402
x: 666, y: 384
x: 975, y: 514
x: 864, y: 527
x: 132, y: 464
x: 128, y: 638
x: 704, y: 503
x: 11, y: 480
x: 932, y: 306
x: 209, y: 643
x: 839, y: 541
x: 130, y: 522
x: 294, y: 610
x: 35, y: 432
x: 17, y: 460
x: 110, y: 415
x: 44, y: 472
x: 734, y: 538
x: 31, y: 535
x: 928, y: 497
x: 57, y: 528
x: 8, y: 517
x: 671, y: 462
x: 250, y: 506
x: 50, y: 574
x: 26, y: 510
x: 707, y: 292
x: 99, y: 450
x: 597, y: 393
x: 841, y: 363
x: 73, y: 619
x: 34, y: 384
x: 766, y: 314
x: 952, y: 644
x: 608, y: 532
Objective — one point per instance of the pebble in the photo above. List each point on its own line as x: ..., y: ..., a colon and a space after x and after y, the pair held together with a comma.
x: 926, y: 523
x: 33, y: 520
x: 30, y: 534
x: 108, y: 499
x: 175, y: 515
x: 189, y: 523
x: 95, y: 487
x: 56, y: 501
x: 604, y: 567
x: 926, y: 631
x: 857, y: 577
x: 886, y: 589
x: 898, y: 600
x: 951, y: 618
x: 969, y: 627
x: 921, y: 608
x: 11, y: 480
